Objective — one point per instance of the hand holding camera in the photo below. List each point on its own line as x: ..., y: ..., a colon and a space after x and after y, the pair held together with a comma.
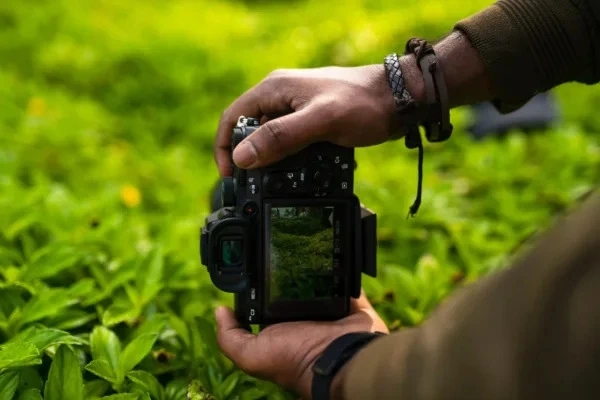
x: 291, y: 240
x: 347, y: 106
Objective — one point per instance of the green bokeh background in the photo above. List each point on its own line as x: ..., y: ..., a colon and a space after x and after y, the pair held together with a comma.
x: 108, y: 111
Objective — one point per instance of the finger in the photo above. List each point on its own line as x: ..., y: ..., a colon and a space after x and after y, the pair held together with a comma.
x: 265, y: 99
x: 235, y: 342
x: 360, y: 304
x: 281, y: 137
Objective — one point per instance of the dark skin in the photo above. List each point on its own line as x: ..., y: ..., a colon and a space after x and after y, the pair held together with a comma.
x: 349, y: 107
x: 346, y: 106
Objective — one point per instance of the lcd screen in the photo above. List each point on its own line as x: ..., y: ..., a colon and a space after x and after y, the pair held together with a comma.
x: 301, y: 253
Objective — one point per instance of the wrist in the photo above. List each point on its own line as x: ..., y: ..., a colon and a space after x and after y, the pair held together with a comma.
x: 413, y: 77
x: 463, y: 70
x: 337, y: 385
x: 326, y: 369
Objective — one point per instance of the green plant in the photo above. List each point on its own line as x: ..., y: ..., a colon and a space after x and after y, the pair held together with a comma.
x: 107, y: 116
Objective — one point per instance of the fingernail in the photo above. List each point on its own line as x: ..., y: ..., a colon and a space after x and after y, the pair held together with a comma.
x: 244, y: 155
x: 220, y: 312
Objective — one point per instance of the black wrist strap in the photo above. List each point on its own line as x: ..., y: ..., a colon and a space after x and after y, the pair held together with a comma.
x: 334, y: 357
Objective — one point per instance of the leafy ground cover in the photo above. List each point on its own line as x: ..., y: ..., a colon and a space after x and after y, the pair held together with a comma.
x: 107, y: 113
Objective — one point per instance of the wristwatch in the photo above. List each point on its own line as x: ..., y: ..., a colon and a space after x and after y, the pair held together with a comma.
x: 334, y: 357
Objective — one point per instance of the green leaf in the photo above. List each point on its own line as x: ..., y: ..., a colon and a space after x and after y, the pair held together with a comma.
x: 252, y: 394
x: 95, y: 388
x: 49, y: 261
x: 82, y: 288
x: 9, y: 381
x: 203, y: 338
x: 102, y: 369
x: 135, y: 352
x: 105, y: 345
x: 179, y: 326
x: 151, y: 274
x: 117, y: 313
x: 45, y: 337
x: 197, y: 392
x: 125, y: 274
x: 64, y: 379
x: 47, y: 303
x: 176, y: 390
x: 148, y: 382
x: 70, y: 319
x: 228, y: 385
x: 155, y: 324
x: 29, y: 378
x: 19, y: 354
x: 31, y: 394
x: 122, y: 396
x: 11, y: 298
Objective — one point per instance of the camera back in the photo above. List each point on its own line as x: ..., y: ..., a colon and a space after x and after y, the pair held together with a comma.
x: 291, y: 240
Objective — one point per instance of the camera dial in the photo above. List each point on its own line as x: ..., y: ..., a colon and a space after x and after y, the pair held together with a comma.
x: 228, y: 192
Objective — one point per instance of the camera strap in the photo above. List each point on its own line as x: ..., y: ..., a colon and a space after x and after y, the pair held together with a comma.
x: 433, y: 113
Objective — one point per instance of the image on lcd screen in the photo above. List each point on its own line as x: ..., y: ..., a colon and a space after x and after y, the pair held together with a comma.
x: 301, y: 253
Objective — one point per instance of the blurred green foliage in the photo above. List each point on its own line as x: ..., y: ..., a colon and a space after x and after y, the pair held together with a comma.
x: 107, y: 114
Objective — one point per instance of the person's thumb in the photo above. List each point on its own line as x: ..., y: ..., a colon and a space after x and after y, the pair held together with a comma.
x: 235, y: 342
x: 279, y: 138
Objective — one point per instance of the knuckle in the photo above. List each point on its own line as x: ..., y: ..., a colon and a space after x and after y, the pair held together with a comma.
x: 275, y: 77
x: 278, y: 72
x: 275, y: 131
x: 224, y: 117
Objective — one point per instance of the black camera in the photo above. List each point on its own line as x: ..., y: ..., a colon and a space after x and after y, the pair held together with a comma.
x: 291, y: 240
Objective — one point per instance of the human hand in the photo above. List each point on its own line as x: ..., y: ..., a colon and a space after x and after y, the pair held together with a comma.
x: 284, y: 353
x: 350, y: 107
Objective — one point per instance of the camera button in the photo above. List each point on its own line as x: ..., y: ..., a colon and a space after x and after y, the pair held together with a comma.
x: 253, y: 189
x: 291, y: 175
x: 250, y: 208
x: 275, y: 183
x: 303, y: 173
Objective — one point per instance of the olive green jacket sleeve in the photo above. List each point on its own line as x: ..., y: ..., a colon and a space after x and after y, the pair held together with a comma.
x: 530, y: 46
x: 529, y: 332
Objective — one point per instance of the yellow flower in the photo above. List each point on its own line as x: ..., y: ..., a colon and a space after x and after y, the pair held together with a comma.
x: 36, y: 107
x: 131, y: 196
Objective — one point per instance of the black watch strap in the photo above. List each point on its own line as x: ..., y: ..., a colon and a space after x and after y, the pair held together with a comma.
x: 333, y: 359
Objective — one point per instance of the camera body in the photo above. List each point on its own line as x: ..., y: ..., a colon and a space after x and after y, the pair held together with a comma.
x: 291, y: 240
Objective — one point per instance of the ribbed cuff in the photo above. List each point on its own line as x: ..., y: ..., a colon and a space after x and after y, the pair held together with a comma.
x: 530, y: 46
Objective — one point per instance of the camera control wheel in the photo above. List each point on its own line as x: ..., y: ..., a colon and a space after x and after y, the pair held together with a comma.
x: 228, y: 192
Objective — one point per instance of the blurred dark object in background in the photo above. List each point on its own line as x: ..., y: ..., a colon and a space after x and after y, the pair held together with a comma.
x: 539, y: 113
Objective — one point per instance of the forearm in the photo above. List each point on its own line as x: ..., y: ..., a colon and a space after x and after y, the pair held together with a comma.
x: 529, y: 331
x: 514, y: 49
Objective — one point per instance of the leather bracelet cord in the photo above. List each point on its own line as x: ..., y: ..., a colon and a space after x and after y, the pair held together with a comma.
x: 433, y: 114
